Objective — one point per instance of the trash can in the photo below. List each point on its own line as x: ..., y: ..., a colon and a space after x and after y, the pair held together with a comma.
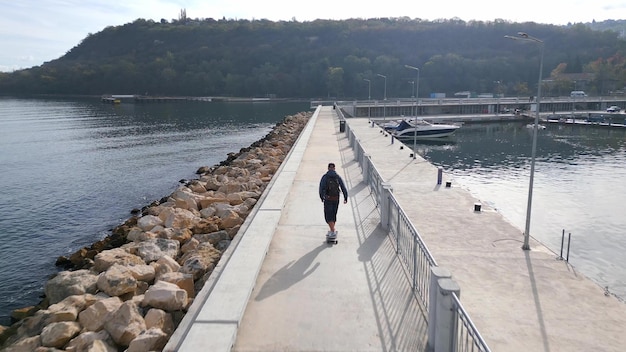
x: 342, y: 125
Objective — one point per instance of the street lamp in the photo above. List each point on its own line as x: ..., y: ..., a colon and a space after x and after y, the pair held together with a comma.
x: 369, y: 95
x: 525, y: 37
x: 369, y: 88
x: 412, y: 89
x: 417, y: 84
x: 385, y: 96
x: 498, y: 97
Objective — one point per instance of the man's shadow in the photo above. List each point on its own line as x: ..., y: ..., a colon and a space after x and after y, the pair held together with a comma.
x: 290, y: 274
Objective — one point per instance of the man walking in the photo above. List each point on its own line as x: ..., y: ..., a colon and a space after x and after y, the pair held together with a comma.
x: 331, y: 185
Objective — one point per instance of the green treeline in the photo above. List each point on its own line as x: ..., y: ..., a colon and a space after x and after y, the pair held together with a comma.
x: 327, y: 58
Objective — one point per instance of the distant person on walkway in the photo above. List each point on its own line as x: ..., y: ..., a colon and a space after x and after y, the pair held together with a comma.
x: 331, y: 185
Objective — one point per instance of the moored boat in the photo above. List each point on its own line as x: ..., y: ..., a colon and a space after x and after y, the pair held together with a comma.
x: 419, y: 128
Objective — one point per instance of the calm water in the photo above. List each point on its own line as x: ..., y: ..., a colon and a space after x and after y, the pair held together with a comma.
x: 579, y: 187
x: 72, y: 170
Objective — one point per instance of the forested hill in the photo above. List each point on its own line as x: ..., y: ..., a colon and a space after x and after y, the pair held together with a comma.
x: 324, y: 58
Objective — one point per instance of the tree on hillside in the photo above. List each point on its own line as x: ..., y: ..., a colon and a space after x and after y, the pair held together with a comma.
x: 205, y: 57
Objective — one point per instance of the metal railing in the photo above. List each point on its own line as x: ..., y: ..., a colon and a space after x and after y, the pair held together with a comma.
x: 467, y: 337
x: 412, y: 250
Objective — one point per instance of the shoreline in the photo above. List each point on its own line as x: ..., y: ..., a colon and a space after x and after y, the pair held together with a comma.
x: 132, y: 288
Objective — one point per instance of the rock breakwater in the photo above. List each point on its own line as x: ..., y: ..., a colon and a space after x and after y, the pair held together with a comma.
x: 130, y: 290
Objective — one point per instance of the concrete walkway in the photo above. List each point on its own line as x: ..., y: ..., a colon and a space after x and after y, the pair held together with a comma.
x: 312, y: 296
x: 306, y: 295
x: 519, y: 300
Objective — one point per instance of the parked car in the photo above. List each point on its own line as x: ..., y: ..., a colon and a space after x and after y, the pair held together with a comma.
x: 613, y: 108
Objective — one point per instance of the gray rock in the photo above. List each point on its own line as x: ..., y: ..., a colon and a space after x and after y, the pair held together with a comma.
x: 69, y: 283
x: 117, y: 280
x: 125, y: 324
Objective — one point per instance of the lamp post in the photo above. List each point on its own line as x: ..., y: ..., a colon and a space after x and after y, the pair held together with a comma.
x: 417, y: 87
x: 525, y: 37
x: 369, y: 95
x: 385, y: 96
x: 498, y: 97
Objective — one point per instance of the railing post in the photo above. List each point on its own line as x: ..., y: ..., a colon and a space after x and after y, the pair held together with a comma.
x: 365, y: 166
x: 385, y: 204
x: 436, y: 273
x: 415, y: 262
x: 446, y: 316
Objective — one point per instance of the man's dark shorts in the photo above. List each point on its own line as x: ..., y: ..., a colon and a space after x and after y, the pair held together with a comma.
x: 330, y: 210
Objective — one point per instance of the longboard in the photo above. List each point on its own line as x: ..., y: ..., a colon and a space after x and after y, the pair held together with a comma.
x: 332, y: 240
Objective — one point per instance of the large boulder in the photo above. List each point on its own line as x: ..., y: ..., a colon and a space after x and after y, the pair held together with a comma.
x: 106, y: 259
x: 185, y: 199
x: 143, y: 272
x: 209, y: 201
x: 60, y: 333
x: 165, y: 264
x: 125, y: 324
x: 100, y: 346
x: 166, y: 296
x: 200, y: 261
x: 223, y: 209
x: 180, y: 235
x: 68, y: 309
x: 150, y: 340
x: 138, y: 235
x: 69, y: 283
x: 207, y: 223
x: 152, y: 250
x: 178, y: 218
x: 234, y: 198
x: 182, y: 280
x: 86, y: 339
x: 117, y: 280
x: 160, y: 319
x: 33, y: 325
x: 148, y: 222
x: 26, y: 344
x: 230, y: 219
x: 191, y: 245
x: 213, y: 238
x: 94, y: 317
x: 197, y: 186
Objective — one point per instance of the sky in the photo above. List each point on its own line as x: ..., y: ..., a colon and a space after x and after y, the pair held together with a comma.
x: 35, y: 31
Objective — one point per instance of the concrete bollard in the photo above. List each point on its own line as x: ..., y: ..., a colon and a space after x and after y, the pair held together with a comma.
x: 436, y: 273
x: 385, y: 204
x: 477, y: 206
x: 446, y: 315
x: 439, y: 175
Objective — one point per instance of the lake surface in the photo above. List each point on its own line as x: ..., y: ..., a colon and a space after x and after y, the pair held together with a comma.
x: 71, y: 170
x: 579, y: 187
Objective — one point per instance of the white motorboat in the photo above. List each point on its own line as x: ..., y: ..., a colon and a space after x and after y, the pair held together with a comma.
x: 419, y: 128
